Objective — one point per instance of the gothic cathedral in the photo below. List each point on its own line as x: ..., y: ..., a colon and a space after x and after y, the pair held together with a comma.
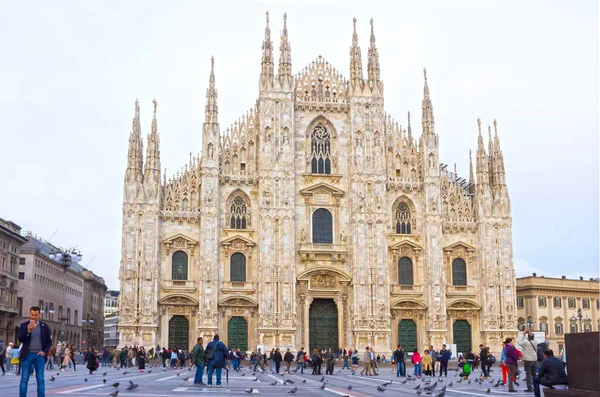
x: 315, y: 220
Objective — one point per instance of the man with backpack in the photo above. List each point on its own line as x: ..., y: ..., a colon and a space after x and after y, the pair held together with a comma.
x: 444, y: 356
x: 216, y: 356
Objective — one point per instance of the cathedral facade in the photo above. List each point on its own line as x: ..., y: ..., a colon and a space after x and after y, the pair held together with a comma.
x: 316, y: 220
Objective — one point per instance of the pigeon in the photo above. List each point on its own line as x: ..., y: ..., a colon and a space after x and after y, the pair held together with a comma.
x: 322, y: 379
x: 322, y: 386
x: 497, y: 383
x: 249, y: 391
x: 404, y: 382
x: 380, y: 389
x: 417, y: 388
x: 58, y: 373
x: 244, y: 374
x: 451, y: 383
x: 130, y: 388
x: 291, y: 381
x: 293, y: 391
x: 304, y: 381
x: 164, y: 370
x: 428, y: 392
x: 459, y: 381
x: 349, y: 387
x: 104, y: 373
x: 85, y: 380
x: 114, y: 394
x: 178, y: 374
x: 274, y: 383
x: 149, y: 371
x: 186, y: 378
x: 469, y: 382
x: 126, y: 372
x: 130, y: 382
x: 189, y: 369
x: 255, y: 379
x: 443, y: 389
x: 488, y: 391
x: 441, y: 394
x: 491, y: 381
x: 52, y: 379
x: 387, y: 384
x: 103, y: 380
x: 419, y: 392
x: 115, y: 384
x: 253, y: 373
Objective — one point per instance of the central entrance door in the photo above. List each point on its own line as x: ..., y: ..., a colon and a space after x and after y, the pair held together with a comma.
x: 407, y: 335
x: 179, y: 330
x: 462, y: 336
x: 323, y: 324
x: 237, y: 334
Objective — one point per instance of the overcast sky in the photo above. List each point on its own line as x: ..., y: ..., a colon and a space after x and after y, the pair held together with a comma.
x: 71, y: 71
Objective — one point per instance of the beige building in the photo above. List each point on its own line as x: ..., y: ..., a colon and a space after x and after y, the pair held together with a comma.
x: 10, y: 246
x: 92, y: 320
x: 557, y: 306
x: 317, y: 220
x: 41, y: 283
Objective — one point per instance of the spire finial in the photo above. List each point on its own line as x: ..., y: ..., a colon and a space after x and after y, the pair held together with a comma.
x: 490, y: 132
x: 495, y: 128
x: 212, y: 65
x: 155, y: 105
x: 137, y: 108
x: 479, y: 125
x: 284, y: 21
x: 267, y: 19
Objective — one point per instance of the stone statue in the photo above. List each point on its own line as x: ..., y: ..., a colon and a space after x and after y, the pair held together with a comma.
x: 343, y: 236
x: 302, y: 235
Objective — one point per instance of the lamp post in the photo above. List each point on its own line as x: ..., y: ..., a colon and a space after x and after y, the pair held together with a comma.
x: 581, y: 318
x: 65, y: 257
x: 91, y: 340
x: 117, y: 333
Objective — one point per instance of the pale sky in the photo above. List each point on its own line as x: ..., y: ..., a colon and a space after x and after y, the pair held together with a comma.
x: 71, y: 71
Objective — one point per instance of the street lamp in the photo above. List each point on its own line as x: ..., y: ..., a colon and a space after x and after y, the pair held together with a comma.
x: 90, y: 337
x: 581, y: 318
x: 65, y: 258
x: 530, y: 323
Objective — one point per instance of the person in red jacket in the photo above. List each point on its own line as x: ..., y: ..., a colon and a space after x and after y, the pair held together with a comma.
x: 416, y: 360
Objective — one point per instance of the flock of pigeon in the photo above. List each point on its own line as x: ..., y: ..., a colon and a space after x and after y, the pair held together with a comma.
x: 428, y: 388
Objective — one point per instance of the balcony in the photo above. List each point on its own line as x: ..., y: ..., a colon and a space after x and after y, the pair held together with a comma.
x: 238, y: 287
x: 407, y: 290
x: 460, y: 291
x: 335, y: 252
x: 179, y: 285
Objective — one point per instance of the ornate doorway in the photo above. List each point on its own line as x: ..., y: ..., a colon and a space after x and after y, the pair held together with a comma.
x: 462, y: 336
x: 407, y: 335
x: 179, y: 331
x: 323, y: 324
x: 237, y: 334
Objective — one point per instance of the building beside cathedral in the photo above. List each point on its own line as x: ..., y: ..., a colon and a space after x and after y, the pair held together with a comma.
x: 316, y: 220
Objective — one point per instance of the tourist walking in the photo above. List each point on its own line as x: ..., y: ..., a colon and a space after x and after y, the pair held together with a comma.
x: 50, y: 358
x: 36, y: 341
x: 2, y: 356
x: 434, y: 359
x: 260, y: 360
x: 354, y: 358
x: 510, y: 352
x: 141, y: 359
x: 90, y: 358
x: 399, y: 358
x: 443, y: 357
x: 216, y: 354
x: 288, y: 358
x: 300, y: 360
x: 277, y: 358
x: 8, y: 356
x: 199, y: 360
x: 66, y: 362
x: 367, y: 359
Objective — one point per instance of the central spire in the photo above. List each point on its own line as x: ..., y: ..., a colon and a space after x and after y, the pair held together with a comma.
x: 266, y: 73
x: 427, y: 107
x: 356, y: 76
x: 285, y: 57
x: 373, y: 62
x: 211, y: 115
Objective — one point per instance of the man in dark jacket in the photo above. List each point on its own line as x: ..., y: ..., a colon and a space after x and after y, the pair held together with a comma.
x: 277, y: 359
x: 199, y: 359
x: 36, y: 340
x: 288, y: 357
x: 300, y: 360
x: 484, y: 361
x: 217, y: 363
x: 551, y: 373
x: 443, y: 357
x: 399, y: 358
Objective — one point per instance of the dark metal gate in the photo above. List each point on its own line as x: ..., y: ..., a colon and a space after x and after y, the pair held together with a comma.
x: 237, y: 334
x: 323, y: 324
x: 179, y: 331
x: 462, y: 336
x: 407, y: 335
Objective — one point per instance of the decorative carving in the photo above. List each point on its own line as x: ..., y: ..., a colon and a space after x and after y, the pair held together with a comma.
x: 322, y: 281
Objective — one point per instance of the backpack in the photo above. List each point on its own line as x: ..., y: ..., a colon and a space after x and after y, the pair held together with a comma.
x: 492, y: 359
x: 210, y: 353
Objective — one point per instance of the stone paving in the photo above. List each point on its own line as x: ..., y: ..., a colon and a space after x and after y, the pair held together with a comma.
x: 156, y: 382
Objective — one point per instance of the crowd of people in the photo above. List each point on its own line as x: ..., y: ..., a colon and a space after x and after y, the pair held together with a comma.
x: 36, y: 353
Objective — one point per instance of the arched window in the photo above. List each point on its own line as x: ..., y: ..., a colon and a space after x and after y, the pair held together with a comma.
x: 459, y: 272
x: 405, y: 271
x: 238, y: 216
x: 322, y: 228
x: 237, y: 267
x: 403, y: 219
x: 180, y: 266
x: 320, y: 143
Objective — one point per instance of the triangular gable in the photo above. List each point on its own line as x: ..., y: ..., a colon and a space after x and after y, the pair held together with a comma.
x: 458, y: 244
x: 408, y: 243
x: 180, y: 237
x: 228, y: 241
x: 322, y: 186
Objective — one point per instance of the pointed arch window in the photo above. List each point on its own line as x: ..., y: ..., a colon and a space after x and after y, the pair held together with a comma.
x: 237, y: 267
x: 403, y: 219
x: 180, y: 266
x: 320, y: 143
x: 405, y: 271
x: 459, y: 272
x: 238, y: 218
x: 322, y: 227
